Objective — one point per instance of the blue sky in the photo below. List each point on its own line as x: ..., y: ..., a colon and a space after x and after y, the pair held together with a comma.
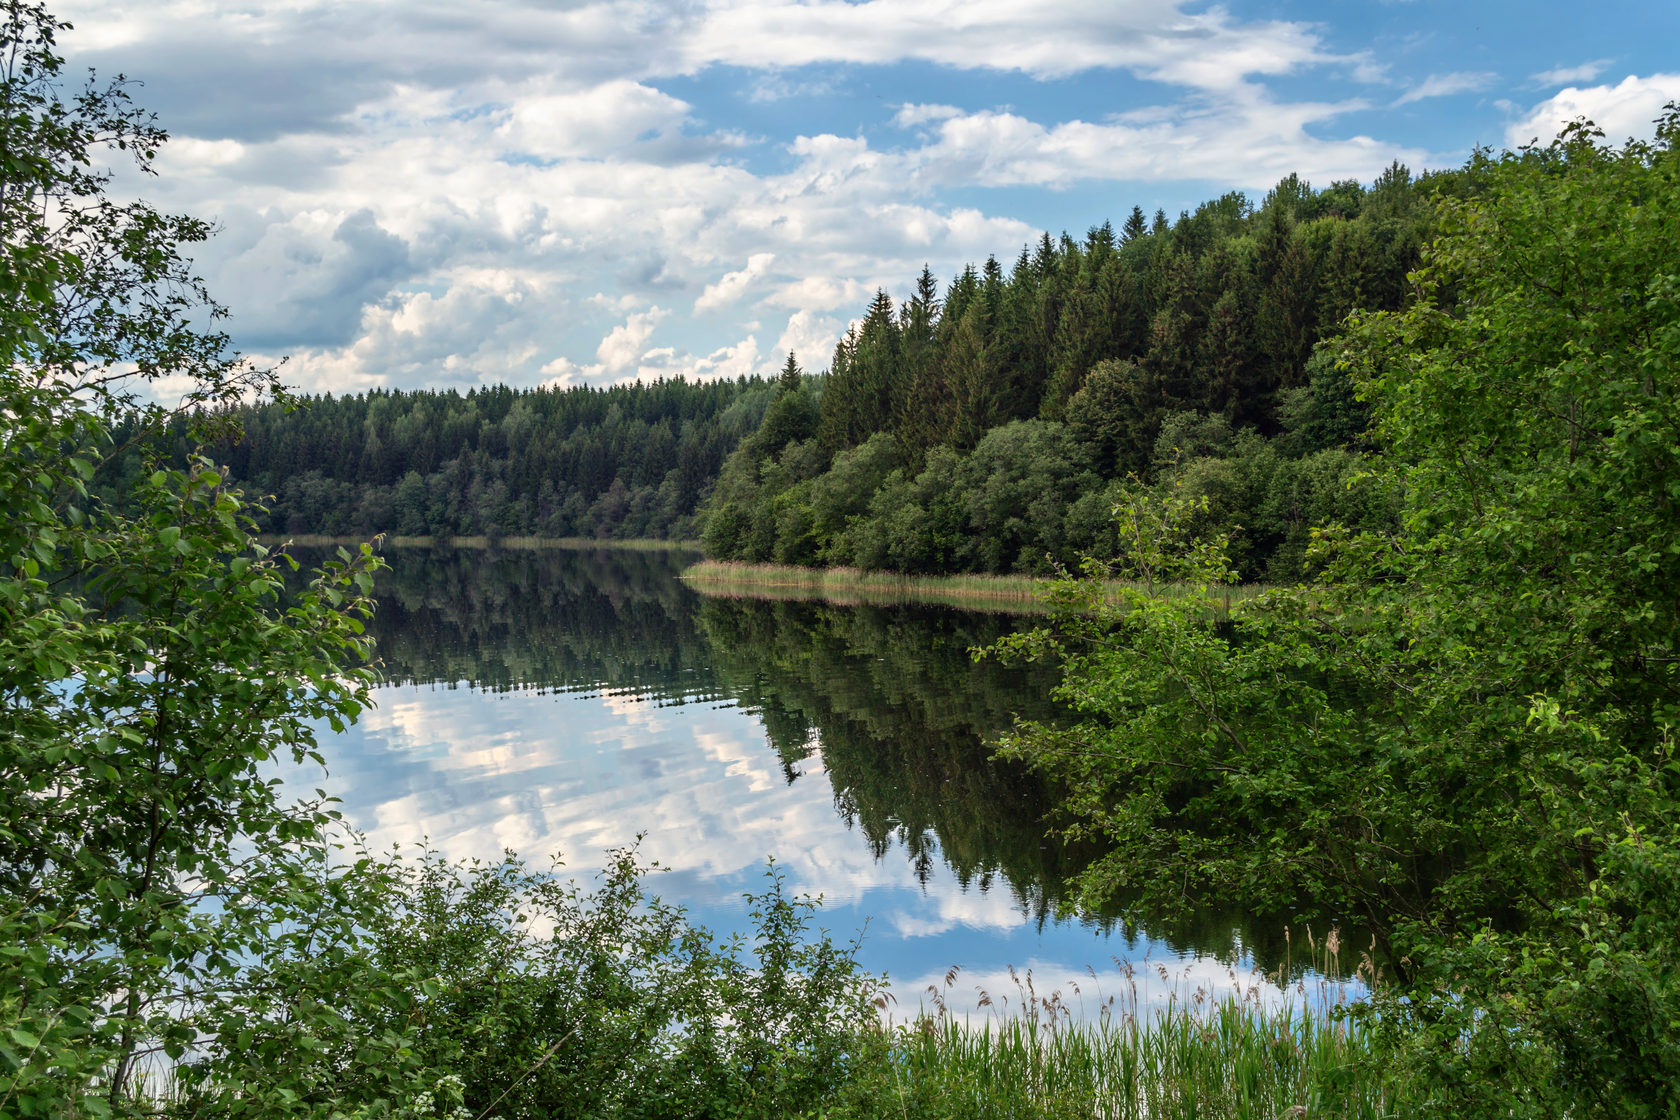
x: 420, y: 193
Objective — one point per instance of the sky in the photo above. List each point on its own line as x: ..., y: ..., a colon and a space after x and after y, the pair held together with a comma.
x: 453, y: 193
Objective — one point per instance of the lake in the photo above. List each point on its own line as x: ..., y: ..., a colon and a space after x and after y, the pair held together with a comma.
x: 560, y: 701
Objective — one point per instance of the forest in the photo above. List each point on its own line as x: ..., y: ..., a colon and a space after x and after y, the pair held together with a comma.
x: 989, y: 428
x: 983, y: 427
x: 626, y: 461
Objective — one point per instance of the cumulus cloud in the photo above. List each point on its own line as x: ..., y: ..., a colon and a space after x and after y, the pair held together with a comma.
x: 470, y: 333
x: 1154, y: 38
x: 742, y: 359
x: 1628, y: 109
x: 620, y: 349
x: 313, y: 61
x: 1445, y: 85
x: 911, y: 116
x: 1252, y: 143
x: 593, y: 121
x: 810, y: 338
x: 366, y: 160
x: 731, y: 286
x: 306, y: 280
x: 1567, y: 75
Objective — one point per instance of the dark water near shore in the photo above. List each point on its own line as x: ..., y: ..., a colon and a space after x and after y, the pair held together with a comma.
x: 565, y: 702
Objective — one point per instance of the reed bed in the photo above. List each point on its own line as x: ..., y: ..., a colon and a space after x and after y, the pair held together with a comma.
x: 1230, y: 1060
x: 1254, y: 1054
x: 854, y: 586
x: 320, y: 540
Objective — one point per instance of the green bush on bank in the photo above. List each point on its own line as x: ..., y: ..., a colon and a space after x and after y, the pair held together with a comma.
x: 1463, y: 729
x: 1027, y: 499
x: 535, y: 998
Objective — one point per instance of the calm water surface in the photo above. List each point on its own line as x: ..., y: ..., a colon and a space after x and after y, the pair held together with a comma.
x: 560, y: 702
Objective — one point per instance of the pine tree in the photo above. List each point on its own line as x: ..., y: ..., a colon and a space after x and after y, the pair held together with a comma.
x: 790, y: 378
x: 1135, y: 226
x: 916, y: 404
x: 970, y: 373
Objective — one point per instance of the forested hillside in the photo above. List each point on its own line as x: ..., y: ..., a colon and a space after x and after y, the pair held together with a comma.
x: 629, y: 461
x: 987, y: 428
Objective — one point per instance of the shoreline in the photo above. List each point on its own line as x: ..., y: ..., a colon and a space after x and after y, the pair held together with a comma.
x: 393, y: 540
x: 854, y: 586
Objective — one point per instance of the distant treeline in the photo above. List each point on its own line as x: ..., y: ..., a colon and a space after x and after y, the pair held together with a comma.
x: 987, y: 429
x: 628, y: 461
x: 983, y: 429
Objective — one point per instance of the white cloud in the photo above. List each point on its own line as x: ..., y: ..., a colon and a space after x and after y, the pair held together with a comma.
x: 776, y: 87
x: 810, y: 338
x: 622, y: 304
x: 819, y: 293
x: 731, y: 286
x: 1138, y: 986
x: 1366, y: 68
x: 1626, y: 110
x: 306, y: 279
x: 561, y: 373
x: 623, y: 345
x: 739, y: 360
x: 910, y: 116
x: 994, y: 910
x: 1154, y: 38
x: 637, y: 39
x: 187, y: 155
x: 588, y: 122
x: 1445, y: 85
x: 472, y: 332
x: 1568, y: 75
x: 372, y: 156
x: 1252, y: 142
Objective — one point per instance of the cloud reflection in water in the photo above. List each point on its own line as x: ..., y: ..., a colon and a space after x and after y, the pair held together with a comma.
x: 843, y: 744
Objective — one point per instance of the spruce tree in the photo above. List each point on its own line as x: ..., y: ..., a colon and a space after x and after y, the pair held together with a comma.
x: 1135, y: 226
x: 790, y: 378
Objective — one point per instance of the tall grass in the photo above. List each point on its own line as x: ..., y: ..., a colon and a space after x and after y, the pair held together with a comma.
x: 1232, y: 1059
x: 317, y: 540
x: 1237, y: 1057
x: 852, y: 586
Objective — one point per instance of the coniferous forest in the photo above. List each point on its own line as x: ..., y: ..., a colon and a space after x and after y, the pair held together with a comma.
x: 980, y: 426
x: 630, y: 461
x: 985, y: 428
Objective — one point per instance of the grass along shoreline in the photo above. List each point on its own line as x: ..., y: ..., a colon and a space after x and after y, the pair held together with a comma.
x: 1231, y: 1059
x: 392, y: 540
x: 853, y: 586
x: 1264, y: 1049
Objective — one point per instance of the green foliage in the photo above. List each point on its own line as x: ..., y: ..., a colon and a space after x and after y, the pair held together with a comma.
x: 174, y: 938
x: 625, y: 462
x: 537, y: 997
x: 152, y: 667
x: 1462, y: 732
x: 1216, y: 316
x: 1094, y: 1048
x: 1327, y: 411
x: 1231, y: 1060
